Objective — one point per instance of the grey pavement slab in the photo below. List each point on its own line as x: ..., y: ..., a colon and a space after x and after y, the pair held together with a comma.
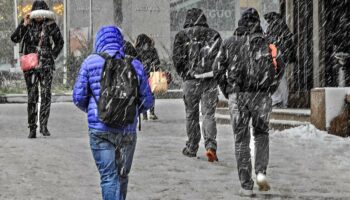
x: 61, y: 166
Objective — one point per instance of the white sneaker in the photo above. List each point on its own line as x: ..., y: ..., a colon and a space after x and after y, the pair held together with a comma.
x: 261, y: 180
x: 246, y: 193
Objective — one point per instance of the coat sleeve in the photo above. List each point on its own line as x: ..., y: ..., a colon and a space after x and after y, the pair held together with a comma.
x: 236, y: 69
x: 57, y: 39
x: 19, y: 33
x: 215, y: 44
x: 155, y: 59
x: 81, y: 88
x: 220, y: 66
x: 145, y: 94
x: 180, y: 53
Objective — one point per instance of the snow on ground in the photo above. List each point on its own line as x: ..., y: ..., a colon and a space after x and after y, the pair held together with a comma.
x: 304, y: 163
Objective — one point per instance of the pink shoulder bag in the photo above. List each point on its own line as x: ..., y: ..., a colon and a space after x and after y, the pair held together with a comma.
x: 31, y: 61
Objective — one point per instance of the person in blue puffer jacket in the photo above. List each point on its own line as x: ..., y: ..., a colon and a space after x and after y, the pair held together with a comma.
x: 112, y: 148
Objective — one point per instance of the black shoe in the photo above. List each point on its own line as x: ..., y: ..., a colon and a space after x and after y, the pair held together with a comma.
x: 188, y: 153
x: 44, y: 131
x: 32, y: 132
x: 144, y: 117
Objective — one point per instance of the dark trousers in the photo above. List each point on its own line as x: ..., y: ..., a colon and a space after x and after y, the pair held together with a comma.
x: 152, y: 110
x: 255, y: 106
x: 33, y: 78
x: 202, y: 92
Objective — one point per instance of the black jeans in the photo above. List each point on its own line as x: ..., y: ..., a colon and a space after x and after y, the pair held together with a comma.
x: 202, y: 92
x: 33, y: 78
x: 256, y: 106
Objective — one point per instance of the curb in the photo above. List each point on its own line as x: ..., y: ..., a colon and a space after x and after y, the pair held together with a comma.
x: 67, y: 97
x: 23, y: 98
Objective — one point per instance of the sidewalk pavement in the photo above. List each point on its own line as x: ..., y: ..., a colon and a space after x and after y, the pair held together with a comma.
x: 308, y: 165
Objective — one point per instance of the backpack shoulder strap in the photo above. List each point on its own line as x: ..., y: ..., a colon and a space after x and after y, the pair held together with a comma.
x: 104, y: 55
x: 129, y: 60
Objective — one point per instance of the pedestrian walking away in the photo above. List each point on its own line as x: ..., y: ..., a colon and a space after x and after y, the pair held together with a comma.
x: 248, y: 72
x: 279, y: 34
x: 36, y: 32
x: 195, y: 48
x: 148, y: 55
x: 112, y: 106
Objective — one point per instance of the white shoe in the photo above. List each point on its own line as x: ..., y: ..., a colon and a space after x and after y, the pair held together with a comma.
x: 261, y: 180
x: 246, y: 193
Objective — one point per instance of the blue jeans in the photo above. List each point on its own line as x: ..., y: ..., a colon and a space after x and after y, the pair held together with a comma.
x: 113, y: 154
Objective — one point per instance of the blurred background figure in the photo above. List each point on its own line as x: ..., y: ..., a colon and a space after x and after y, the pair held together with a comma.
x: 280, y: 35
x: 148, y: 55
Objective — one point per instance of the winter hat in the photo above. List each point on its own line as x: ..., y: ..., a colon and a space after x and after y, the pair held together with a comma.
x: 41, y: 9
x: 40, y: 5
x: 195, y: 16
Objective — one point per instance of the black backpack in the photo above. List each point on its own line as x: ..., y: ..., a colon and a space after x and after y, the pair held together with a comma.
x: 119, y: 94
x: 199, y: 53
x: 260, y: 73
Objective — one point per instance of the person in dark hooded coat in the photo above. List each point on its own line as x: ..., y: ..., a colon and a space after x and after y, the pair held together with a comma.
x: 280, y: 35
x: 195, y: 49
x: 232, y: 68
x: 40, y: 20
x: 148, y: 55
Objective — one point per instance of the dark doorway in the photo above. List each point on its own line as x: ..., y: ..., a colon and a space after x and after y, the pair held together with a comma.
x: 303, y: 36
x: 302, y: 74
x: 337, y: 40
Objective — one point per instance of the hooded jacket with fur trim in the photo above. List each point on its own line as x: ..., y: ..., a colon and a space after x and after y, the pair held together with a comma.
x: 29, y: 36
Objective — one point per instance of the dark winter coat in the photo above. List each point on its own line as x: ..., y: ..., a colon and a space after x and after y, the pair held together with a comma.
x: 195, y: 27
x: 227, y: 66
x: 129, y: 49
x: 231, y: 64
x: 108, y: 40
x: 280, y: 35
x: 147, y: 53
x: 52, y: 42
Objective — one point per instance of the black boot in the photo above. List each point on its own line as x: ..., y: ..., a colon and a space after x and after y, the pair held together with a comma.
x: 32, y: 132
x: 44, y: 131
x: 144, y: 116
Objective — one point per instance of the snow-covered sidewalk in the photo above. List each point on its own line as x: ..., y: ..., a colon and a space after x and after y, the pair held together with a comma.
x: 304, y: 163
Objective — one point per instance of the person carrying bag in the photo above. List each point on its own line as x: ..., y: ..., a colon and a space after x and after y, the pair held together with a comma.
x: 36, y: 32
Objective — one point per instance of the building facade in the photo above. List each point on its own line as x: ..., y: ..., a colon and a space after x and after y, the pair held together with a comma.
x: 321, y: 29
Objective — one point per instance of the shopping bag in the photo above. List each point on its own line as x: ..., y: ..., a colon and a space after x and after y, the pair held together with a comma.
x: 158, y: 82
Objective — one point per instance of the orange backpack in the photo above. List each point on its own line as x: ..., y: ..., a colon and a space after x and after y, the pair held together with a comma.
x: 273, y: 51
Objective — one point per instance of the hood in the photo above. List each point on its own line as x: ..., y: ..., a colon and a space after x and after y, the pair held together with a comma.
x: 109, y: 38
x: 251, y: 21
x: 195, y: 17
x: 251, y: 14
x: 41, y: 9
x: 143, y: 41
x: 272, y: 16
x: 40, y: 5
